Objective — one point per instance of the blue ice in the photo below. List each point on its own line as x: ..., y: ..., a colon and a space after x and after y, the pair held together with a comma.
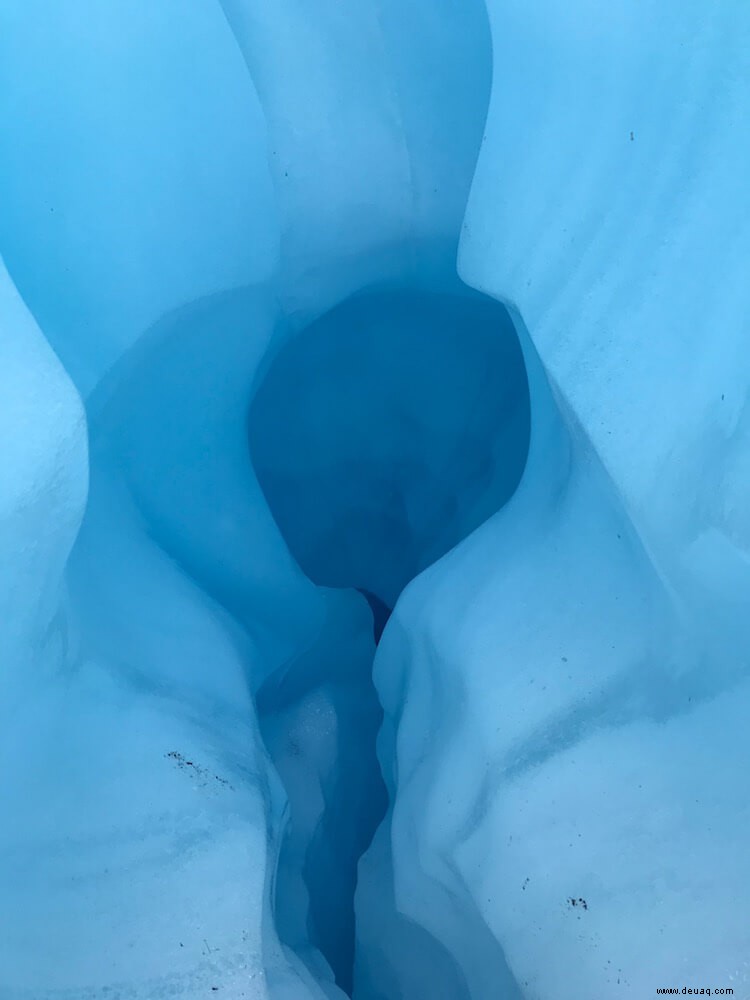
x: 374, y: 535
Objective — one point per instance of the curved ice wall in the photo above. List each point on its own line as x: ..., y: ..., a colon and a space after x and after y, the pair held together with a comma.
x: 191, y: 198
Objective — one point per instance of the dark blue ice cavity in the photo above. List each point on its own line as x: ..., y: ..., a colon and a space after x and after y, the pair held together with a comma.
x: 387, y: 430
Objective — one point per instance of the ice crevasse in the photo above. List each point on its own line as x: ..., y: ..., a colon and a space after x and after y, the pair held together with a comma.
x: 374, y: 491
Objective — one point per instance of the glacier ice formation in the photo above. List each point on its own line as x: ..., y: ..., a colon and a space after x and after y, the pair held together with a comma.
x: 374, y: 546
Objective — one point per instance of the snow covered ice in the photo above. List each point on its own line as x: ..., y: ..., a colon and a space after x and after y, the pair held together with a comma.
x: 375, y: 499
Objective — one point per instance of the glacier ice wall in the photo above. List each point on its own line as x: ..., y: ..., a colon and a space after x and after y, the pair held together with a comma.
x: 581, y: 798
x: 247, y: 399
x: 42, y: 497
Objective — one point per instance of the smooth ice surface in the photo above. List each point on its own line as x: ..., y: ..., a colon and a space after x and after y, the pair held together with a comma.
x: 42, y: 494
x: 255, y: 399
x: 132, y: 168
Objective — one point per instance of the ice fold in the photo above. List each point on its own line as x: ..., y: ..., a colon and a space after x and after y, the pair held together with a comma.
x: 187, y: 718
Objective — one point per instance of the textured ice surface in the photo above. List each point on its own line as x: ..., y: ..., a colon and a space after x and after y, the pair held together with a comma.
x: 231, y: 230
x: 590, y: 676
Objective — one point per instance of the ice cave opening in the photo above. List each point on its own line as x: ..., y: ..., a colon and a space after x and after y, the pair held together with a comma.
x: 382, y: 434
